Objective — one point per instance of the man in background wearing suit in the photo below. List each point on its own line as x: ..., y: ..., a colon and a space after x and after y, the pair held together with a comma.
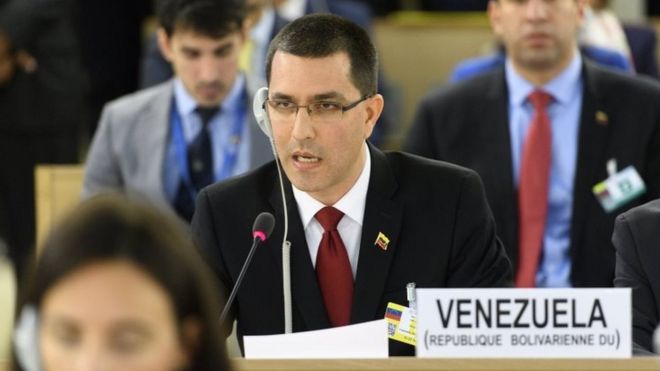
x: 362, y: 223
x: 167, y: 142
x: 42, y: 92
x: 636, y: 239
x: 540, y: 131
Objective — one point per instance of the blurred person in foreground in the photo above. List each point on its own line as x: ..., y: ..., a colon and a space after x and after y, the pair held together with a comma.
x: 118, y: 287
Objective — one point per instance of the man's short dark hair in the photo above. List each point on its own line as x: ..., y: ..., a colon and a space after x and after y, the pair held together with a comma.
x: 322, y: 35
x: 212, y: 18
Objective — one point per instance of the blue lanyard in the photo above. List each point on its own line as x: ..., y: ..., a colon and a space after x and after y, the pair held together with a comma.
x: 230, y: 151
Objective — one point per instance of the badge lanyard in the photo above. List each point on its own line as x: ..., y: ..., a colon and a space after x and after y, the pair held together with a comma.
x: 230, y: 150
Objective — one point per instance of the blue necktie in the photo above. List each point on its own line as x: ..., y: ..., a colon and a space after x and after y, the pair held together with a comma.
x: 200, y: 155
x: 200, y: 165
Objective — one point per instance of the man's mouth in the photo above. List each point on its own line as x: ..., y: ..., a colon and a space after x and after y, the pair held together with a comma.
x: 306, y: 158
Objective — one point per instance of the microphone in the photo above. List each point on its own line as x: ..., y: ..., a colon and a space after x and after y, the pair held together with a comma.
x: 261, y: 230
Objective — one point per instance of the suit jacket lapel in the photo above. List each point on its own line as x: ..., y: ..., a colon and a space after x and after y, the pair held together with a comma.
x: 502, y: 192
x: 382, y: 214
x: 593, y: 139
x: 306, y: 295
x: 152, y: 132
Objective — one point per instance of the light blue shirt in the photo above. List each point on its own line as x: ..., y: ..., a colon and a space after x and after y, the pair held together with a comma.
x: 233, y: 108
x: 564, y: 112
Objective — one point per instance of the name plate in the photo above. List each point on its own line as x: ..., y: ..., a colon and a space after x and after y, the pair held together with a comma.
x: 524, y: 323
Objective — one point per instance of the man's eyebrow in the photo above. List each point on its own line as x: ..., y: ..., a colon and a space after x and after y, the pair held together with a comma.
x: 318, y: 97
x: 281, y: 96
x: 330, y: 95
x: 189, y: 49
x: 223, y: 47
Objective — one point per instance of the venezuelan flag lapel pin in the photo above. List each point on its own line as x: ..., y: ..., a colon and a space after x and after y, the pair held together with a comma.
x: 382, y: 241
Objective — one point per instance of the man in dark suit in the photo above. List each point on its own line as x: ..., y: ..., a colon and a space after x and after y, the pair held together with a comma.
x: 41, y: 91
x: 595, y: 116
x: 399, y: 218
x: 637, y: 255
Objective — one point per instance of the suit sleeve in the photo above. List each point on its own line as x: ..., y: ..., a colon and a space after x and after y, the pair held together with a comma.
x: 652, y: 172
x: 205, y: 238
x: 630, y: 273
x: 102, y: 169
x: 478, y: 258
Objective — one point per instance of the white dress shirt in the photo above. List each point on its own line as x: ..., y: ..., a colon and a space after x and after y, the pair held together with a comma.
x: 349, y: 227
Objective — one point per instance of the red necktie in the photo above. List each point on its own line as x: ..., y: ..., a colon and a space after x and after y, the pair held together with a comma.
x: 333, y: 270
x: 533, y: 190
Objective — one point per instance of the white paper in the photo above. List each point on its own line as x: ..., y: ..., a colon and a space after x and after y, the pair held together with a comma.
x: 363, y: 340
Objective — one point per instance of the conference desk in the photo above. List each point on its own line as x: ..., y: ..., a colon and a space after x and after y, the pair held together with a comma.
x: 419, y: 364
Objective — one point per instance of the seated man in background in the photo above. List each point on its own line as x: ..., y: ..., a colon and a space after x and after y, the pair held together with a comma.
x: 167, y: 142
x: 636, y: 236
x: 362, y: 223
x: 541, y: 131
x: 42, y: 91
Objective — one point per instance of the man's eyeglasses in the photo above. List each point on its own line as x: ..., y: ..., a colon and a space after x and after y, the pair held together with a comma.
x: 324, y: 111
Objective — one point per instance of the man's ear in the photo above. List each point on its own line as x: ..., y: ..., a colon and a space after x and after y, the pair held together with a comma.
x: 374, y: 108
x: 164, y: 43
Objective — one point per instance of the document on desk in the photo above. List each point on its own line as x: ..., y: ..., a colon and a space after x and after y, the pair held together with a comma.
x: 362, y: 340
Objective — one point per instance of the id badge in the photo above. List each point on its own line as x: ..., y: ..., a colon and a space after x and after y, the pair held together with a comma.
x: 401, y: 323
x: 619, y: 188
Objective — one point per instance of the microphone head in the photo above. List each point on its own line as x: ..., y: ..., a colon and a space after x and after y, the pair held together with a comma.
x: 263, y: 226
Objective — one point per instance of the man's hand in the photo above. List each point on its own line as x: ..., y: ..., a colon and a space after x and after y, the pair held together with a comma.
x: 10, y: 60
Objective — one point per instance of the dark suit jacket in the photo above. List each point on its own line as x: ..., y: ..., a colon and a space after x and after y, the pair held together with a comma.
x: 441, y: 233
x: 637, y: 242
x: 467, y: 124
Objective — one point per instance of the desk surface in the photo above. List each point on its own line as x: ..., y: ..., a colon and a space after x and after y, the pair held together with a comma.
x: 414, y: 364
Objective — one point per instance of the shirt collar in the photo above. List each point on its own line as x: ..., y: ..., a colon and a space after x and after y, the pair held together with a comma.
x: 352, y: 204
x: 563, y: 87
x: 186, y: 104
